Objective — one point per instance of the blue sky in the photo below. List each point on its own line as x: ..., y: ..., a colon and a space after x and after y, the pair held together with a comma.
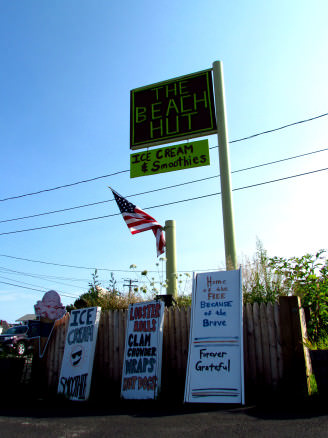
x: 67, y: 69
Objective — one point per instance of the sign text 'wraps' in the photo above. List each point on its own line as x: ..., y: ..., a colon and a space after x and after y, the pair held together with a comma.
x: 142, y: 365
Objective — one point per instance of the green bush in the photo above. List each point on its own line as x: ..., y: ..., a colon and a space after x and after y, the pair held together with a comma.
x: 266, y: 279
x: 261, y: 284
x: 307, y: 277
x: 183, y: 300
x: 109, y: 298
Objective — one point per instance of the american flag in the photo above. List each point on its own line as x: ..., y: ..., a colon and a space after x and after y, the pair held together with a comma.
x: 138, y: 221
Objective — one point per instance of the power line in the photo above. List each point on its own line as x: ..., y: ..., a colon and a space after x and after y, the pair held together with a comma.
x: 124, y: 171
x: 62, y: 224
x: 40, y: 277
x: 88, y: 268
x: 64, y: 266
x: 161, y: 205
x: 280, y: 161
x: 166, y: 187
x: 37, y: 290
x: 29, y: 284
x: 278, y: 129
x: 279, y: 179
x: 56, y: 211
x: 63, y: 186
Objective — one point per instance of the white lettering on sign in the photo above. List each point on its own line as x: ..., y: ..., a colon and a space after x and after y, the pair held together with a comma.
x: 141, y: 376
x: 76, y: 370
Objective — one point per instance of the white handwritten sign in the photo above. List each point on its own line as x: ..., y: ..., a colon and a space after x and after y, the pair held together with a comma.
x: 76, y: 371
x: 142, y: 365
x: 215, y: 371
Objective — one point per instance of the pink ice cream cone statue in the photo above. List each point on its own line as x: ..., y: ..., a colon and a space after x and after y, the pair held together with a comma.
x: 50, y: 306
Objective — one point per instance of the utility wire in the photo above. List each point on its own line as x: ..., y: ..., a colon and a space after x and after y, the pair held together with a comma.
x: 280, y: 161
x: 63, y: 186
x: 124, y: 171
x: 40, y: 277
x: 278, y: 129
x: 88, y: 268
x: 68, y: 266
x: 29, y: 284
x: 166, y: 187
x: 161, y: 205
x: 56, y: 211
x: 37, y: 290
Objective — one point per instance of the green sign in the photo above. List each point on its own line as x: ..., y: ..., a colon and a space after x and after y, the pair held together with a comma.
x: 170, y: 158
x: 172, y: 110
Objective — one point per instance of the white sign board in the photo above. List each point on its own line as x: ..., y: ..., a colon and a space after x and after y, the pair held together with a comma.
x: 76, y: 371
x: 142, y: 365
x: 215, y: 370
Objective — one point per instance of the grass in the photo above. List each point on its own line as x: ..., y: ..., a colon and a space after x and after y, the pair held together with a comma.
x: 320, y: 344
x: 312, y: 385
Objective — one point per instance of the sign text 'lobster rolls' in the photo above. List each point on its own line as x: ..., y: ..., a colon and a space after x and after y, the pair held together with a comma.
x: 142, y: 363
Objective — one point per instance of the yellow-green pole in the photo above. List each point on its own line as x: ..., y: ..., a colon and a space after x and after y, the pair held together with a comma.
x: 225, y: 174
x: 171, y: 262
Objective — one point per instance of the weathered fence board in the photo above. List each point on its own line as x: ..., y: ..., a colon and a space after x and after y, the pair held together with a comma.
x: 258, y: 344
x: 292, y: 343
x: 272, y: 334
x: 111, y: 345
x: 265, y: 345
x: 250, y: 354
x: 272, y: 345
x: 278, y: 341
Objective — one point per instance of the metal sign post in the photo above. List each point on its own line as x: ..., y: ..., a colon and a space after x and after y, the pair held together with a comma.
x: 226, y: 193
x: 171, y: 263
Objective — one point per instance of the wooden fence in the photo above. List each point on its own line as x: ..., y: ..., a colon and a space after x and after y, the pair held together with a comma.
x: 274, y: 352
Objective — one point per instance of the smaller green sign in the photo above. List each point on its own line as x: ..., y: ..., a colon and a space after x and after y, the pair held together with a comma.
x: 170, y: 158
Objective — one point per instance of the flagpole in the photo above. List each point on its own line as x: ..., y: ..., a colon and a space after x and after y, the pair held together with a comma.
x: 171, y: 264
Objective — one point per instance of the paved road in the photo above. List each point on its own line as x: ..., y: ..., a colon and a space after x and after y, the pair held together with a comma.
x: 45, y: 419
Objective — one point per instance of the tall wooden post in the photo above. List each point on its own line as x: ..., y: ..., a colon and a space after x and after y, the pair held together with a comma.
x: 226, y: 192
x: 171, y: 264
